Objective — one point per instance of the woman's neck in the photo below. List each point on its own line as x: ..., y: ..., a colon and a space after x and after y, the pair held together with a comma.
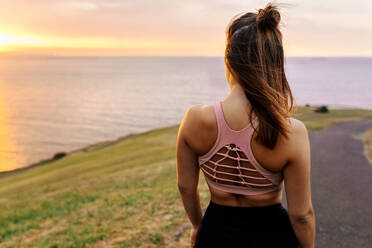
x: 237, y: 94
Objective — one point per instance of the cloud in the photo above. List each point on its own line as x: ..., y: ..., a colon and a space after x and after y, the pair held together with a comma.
x: 307, y: 25
x: 84, y: 5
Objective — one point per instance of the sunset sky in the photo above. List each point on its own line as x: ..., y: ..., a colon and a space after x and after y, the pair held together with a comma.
x: 173, y: 27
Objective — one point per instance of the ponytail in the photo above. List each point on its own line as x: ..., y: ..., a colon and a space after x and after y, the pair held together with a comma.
x: 254, y: 56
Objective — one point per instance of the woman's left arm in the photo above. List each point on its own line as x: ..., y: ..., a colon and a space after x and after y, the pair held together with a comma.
x: 187, y: 168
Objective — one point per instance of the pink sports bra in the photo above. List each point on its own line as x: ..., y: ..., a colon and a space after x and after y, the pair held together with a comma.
x: 230, y: 166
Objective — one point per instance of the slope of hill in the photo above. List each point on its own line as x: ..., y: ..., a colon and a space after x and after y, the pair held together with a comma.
x: 119, y: 193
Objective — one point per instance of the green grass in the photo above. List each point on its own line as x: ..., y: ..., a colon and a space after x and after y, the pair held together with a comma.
x: 316, y: 121
x: 121, y: 194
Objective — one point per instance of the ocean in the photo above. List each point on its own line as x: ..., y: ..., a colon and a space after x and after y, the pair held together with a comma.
x: 58, y: 104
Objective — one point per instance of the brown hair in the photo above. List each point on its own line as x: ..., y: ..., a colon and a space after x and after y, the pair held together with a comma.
x: 255, y: 58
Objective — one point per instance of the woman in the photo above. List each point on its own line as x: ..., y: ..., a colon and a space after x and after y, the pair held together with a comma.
x: 248, y: 148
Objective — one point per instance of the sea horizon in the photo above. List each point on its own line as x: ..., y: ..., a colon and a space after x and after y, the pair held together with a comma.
x: 36, y: 55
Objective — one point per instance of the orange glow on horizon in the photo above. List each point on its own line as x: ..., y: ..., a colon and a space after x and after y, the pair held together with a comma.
x: 33, y: 43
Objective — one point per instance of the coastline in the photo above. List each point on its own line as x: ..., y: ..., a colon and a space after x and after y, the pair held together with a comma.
x: 91, y: 147
x: 351, y: 114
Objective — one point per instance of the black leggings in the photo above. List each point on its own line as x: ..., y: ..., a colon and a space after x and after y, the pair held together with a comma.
x: 235, y: 227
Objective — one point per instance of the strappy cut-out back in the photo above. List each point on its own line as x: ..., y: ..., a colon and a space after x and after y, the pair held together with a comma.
x: 230, y: 165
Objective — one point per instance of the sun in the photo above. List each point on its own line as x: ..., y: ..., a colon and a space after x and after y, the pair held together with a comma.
x: 2, y: 43
x: 2, y: 40
x: 8, y: 41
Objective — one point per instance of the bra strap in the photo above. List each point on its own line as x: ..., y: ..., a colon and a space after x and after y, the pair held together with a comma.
x: 219, y: 116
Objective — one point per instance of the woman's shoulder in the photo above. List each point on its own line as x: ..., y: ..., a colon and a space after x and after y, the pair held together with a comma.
x: 291, y: 146
x: 199, y: 126
x: 198, y: 118
x: 297, y: 133
x: 296, y: 124
x: 200, y: 115
x: 296, y: 127
x: 297, y: 136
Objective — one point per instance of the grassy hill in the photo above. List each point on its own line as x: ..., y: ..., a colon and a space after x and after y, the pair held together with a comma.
x: 120, y: 193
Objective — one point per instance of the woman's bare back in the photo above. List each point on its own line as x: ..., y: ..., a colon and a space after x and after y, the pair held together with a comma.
x: 237, y: 117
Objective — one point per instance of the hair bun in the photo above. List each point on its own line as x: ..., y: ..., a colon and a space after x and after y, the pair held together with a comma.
x: 268, y: 18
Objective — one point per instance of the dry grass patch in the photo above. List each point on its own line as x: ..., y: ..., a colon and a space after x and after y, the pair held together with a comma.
x: 367, y: 138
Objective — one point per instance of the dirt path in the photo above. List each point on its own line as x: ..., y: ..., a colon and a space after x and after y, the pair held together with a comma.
x: 342, y: 186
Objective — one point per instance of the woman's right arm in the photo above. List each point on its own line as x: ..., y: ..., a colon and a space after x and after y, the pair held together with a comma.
x: 298, y: 187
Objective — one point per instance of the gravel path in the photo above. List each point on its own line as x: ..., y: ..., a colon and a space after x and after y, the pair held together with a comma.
x: 341, y: 186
